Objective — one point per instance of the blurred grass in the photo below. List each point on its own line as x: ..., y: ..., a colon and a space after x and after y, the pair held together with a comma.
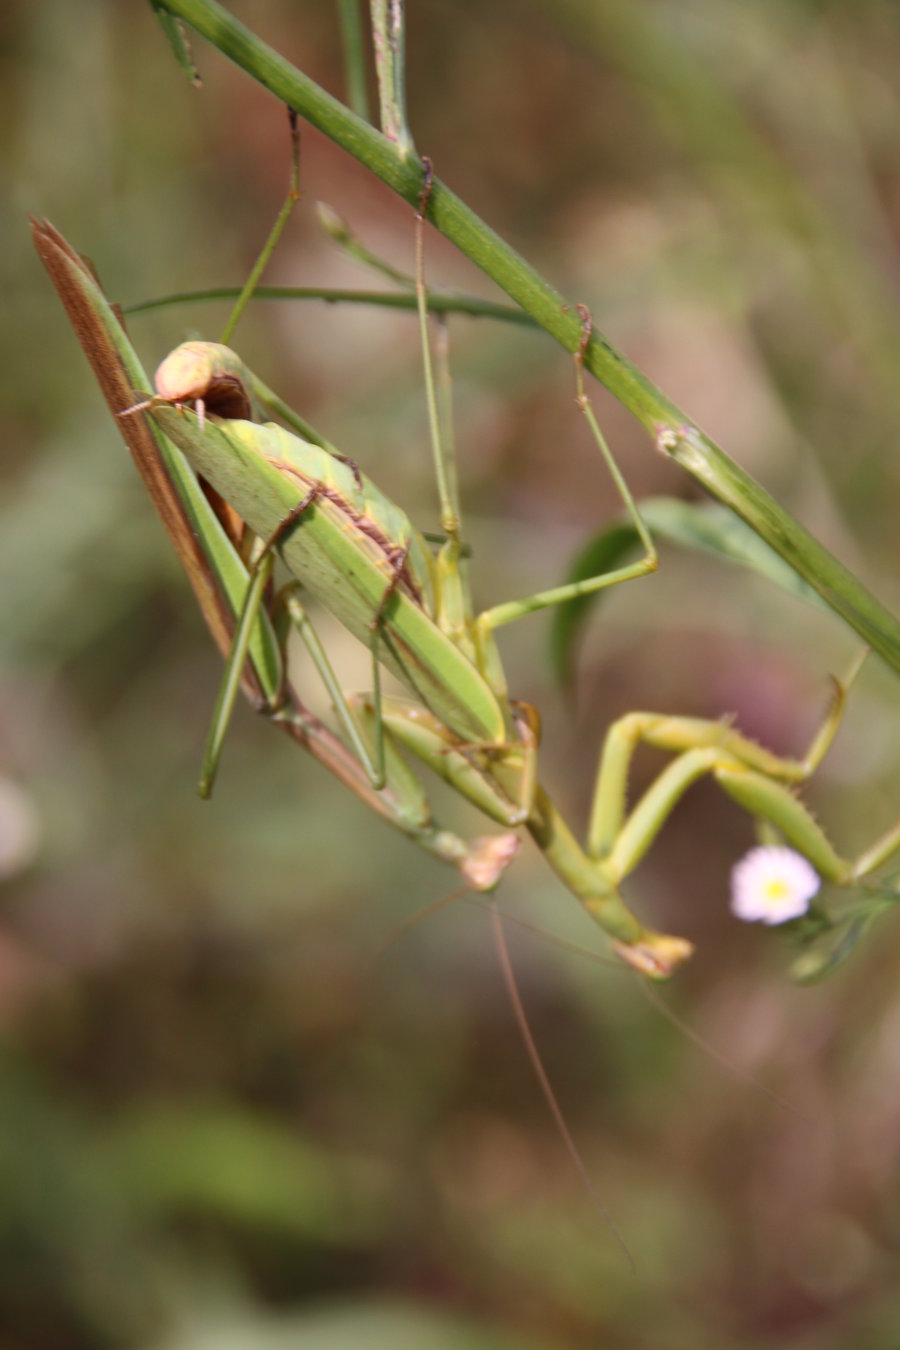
x: 222, y: 1120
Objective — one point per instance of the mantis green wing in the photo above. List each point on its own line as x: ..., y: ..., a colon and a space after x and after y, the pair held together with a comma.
x: 263, y: 472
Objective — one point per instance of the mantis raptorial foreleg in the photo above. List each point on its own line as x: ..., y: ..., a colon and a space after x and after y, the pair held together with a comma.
x: 760, y: 782
x: 724, y: 747
x: 495, y: 788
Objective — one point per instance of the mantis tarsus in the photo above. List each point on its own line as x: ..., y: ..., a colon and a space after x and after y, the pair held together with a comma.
x: 359, y: 555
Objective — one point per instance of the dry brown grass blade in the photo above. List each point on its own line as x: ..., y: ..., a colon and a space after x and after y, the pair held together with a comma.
x: 73, y: 278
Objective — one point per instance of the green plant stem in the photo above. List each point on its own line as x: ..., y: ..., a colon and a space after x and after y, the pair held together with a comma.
x: 672, y: 429
x: 389, y: 41
x: 354, y: 56
x: 439, y: 302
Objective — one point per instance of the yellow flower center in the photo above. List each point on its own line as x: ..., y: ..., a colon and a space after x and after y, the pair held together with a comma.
x: 775, y: 890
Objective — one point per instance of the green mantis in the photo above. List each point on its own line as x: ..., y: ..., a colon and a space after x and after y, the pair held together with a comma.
x: 357, y: 554
x: 360, y: 557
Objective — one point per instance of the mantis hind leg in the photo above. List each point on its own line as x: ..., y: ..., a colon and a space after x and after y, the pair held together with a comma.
x: 260, y: 574
x: 268, y: 248
x: 289, y: 609
x: 511, y: 610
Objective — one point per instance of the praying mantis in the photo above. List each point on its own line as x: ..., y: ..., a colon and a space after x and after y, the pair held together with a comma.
x: 361, y: 558
x: 496, y: 779
x: 358, y: 554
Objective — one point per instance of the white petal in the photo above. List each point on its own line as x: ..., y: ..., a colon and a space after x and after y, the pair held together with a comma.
x: 772, y: 885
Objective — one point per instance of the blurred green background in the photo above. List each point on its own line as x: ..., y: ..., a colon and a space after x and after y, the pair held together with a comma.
x: 228, y: 1120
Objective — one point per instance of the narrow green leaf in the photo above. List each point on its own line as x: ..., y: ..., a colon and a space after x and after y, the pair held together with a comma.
x: 606, y: 551
x: 831, y: 949
x: 708, y: 527
x: 705, y: 527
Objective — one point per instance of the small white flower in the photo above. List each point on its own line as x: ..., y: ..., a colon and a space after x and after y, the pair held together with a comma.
x: 771, y: 885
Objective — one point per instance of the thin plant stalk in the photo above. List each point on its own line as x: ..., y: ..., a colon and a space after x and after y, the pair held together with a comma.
x: 672, y: 430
